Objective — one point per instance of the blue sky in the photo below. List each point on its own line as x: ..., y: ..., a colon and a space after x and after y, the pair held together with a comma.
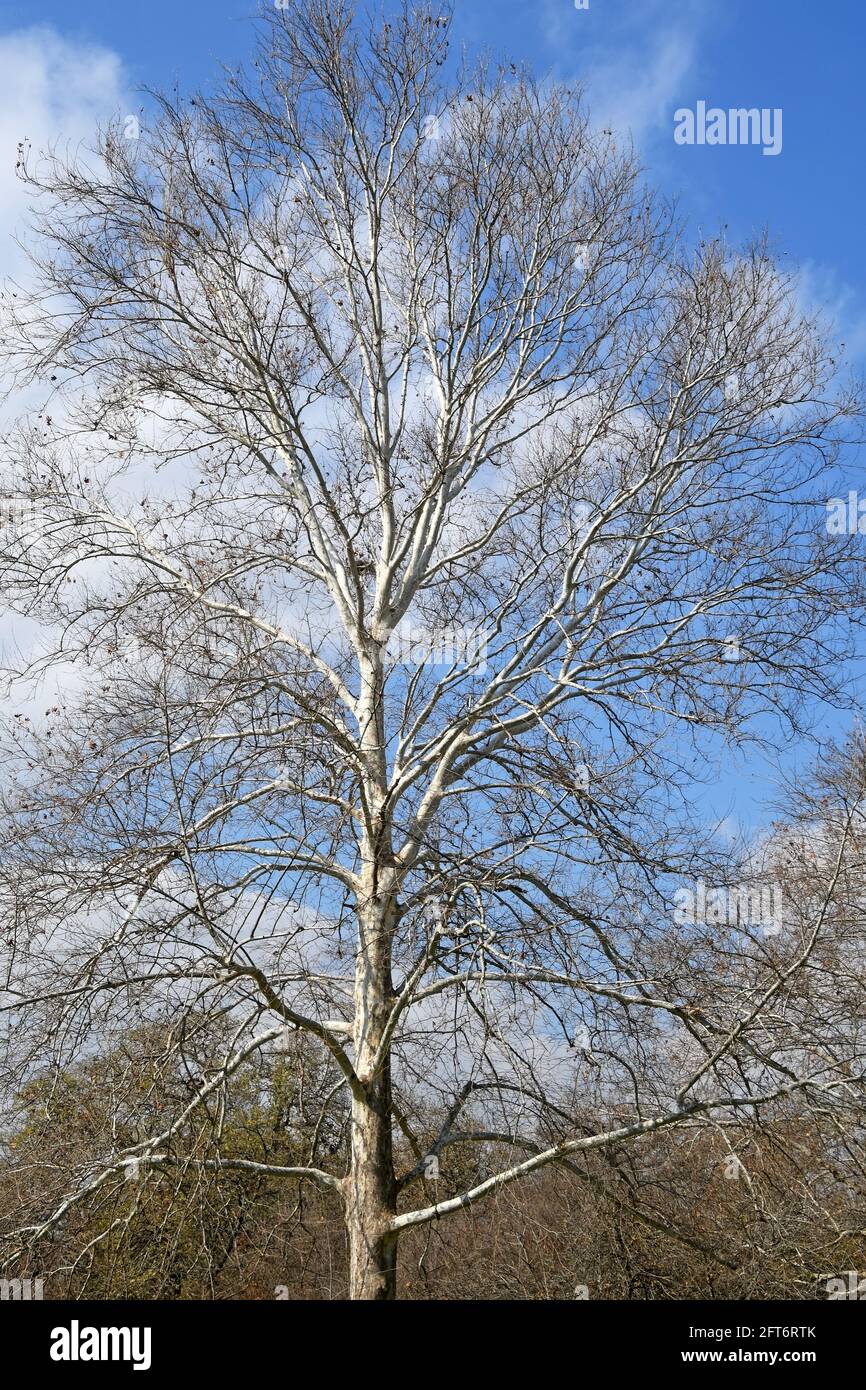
x: 62, y: 64
x: 641, y: 58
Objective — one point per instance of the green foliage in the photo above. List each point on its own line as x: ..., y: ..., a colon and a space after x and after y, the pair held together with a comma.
x: 170, y: 1231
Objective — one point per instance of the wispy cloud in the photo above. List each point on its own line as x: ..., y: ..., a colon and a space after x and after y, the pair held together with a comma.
x: 52, y: 91
x: 822, y: 291
x: 635, y: 93
x: 634, y: 63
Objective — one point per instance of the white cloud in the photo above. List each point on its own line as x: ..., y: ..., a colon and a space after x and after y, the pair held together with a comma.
x: 52, y: 91
x: 633, y: 62
x: 823, y: 292
x: 636, y: 90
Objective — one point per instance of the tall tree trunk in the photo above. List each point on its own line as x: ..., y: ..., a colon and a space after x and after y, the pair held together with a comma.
x: 371, y: 1196
x: 371, y: 1188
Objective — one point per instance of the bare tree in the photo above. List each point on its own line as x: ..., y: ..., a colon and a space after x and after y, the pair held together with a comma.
x: 409, y: 516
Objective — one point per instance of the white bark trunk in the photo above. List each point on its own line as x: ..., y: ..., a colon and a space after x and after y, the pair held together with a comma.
x: 371, y: 1192
x: 370, y: 1203
x: 371, y: 1186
